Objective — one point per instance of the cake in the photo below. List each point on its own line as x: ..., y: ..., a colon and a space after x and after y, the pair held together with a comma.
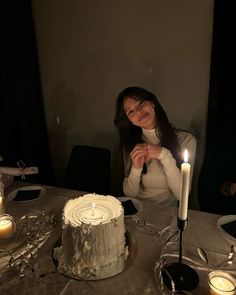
x: 93, y: 244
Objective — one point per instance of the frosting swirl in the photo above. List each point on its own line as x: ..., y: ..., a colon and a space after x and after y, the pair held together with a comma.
x: 92, y: 209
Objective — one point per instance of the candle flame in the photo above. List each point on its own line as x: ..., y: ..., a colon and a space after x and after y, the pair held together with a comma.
x: 185, y: 156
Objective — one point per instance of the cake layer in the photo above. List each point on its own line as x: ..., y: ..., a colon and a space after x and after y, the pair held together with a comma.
x: 92, y: 209
x: 93, y: 237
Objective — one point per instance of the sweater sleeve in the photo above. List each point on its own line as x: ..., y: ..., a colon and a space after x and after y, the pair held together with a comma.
x: 131, y: 183
x: 172, y: 172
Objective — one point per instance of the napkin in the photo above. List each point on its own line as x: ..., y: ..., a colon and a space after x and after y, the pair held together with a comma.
x: 7, y: 174
x: 12, y: 171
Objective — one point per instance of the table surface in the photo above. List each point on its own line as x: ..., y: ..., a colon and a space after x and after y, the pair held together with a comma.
x: 138, y: 278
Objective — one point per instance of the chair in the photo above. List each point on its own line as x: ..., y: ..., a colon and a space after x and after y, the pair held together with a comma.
x: 89, y: 169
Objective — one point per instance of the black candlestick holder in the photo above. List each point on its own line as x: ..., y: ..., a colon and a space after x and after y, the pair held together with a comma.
x: 177, y: 275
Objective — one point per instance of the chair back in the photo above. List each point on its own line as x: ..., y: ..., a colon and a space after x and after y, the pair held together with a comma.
x: 89, y: 169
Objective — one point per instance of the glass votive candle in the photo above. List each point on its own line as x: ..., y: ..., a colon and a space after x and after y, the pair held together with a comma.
x: 221, y: 283
x: 7, y: 226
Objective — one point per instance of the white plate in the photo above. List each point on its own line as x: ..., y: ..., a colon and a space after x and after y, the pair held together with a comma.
x: 12, y: 194
x: 223, y: 220
x: 137, y: 204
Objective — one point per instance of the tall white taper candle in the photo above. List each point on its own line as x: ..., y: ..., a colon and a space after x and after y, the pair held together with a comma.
x: 184, y: 190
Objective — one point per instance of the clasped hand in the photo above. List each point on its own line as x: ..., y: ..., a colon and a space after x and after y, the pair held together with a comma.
x: 143, y: 153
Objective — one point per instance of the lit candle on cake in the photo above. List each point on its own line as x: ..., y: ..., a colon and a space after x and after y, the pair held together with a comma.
x: 91, y: 213
x: 184, y: 191
x: 93, y: 206
x: 6, y: 226
x: 221, y: 283
x: 91, y: 210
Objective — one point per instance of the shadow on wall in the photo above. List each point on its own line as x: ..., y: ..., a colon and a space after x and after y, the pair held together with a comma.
x: 197, y: 128
x: 61, y: 118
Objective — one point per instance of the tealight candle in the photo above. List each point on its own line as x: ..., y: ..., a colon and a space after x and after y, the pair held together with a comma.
x: 7, y: 226
x: 221, y: 283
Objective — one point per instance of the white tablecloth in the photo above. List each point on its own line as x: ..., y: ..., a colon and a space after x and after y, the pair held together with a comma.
x: 138, y: 278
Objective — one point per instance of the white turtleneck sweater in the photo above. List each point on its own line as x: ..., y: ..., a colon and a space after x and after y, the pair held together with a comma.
x: 163, y: 178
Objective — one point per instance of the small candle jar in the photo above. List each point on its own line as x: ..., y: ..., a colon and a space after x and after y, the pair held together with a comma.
x: 7, y: 226
x: 221, y: 283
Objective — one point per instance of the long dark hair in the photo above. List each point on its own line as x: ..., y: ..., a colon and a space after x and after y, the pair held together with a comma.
x: 130, y: 134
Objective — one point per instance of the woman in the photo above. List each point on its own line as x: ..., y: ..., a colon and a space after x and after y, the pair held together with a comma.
x: 152, y: 147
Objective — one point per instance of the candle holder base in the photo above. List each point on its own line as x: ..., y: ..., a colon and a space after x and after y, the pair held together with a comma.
x: 179, y: 277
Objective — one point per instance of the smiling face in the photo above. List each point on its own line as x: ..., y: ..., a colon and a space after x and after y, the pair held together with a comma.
x: 140, y: 113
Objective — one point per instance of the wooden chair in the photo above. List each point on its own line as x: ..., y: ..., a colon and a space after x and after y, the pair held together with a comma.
x: 89, y: 169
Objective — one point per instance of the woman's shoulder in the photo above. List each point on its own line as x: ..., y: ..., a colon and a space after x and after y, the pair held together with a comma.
x: 186, y: 137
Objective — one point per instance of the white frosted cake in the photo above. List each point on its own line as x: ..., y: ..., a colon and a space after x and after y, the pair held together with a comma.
x: 93, y: 238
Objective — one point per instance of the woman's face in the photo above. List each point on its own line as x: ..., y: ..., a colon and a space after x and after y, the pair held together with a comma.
x: 140, y: 113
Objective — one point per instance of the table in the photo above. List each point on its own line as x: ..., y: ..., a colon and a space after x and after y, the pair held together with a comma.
x: 138, y: 278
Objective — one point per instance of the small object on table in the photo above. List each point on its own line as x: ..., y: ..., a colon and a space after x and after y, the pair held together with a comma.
x: 7, y: 226
x: 26, y: 195
x: 230, y: 228
x: 132, y: 206
x: 13, y: 171
x: 227, y: 224
x: 129, y: 207
x: 221, y: 283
